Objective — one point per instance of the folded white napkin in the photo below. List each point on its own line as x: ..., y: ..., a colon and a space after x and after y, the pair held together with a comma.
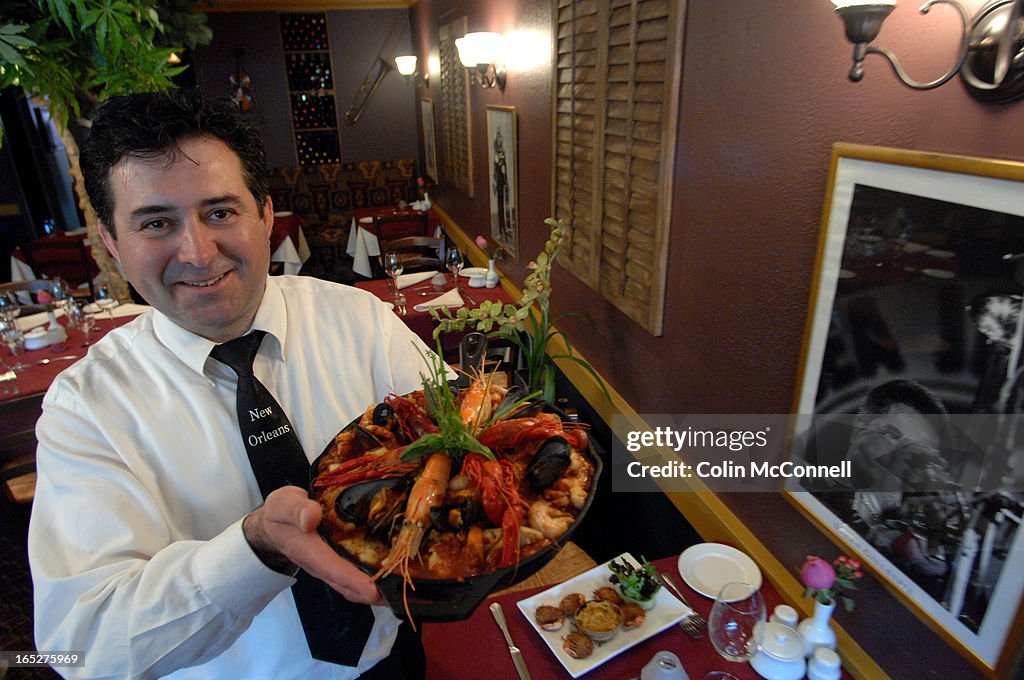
x: 406, y: 280
x: 450, y: 299
x: 30, y: 321
x: 127, y: 309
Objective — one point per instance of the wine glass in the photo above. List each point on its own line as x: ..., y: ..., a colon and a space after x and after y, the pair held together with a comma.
x: 60, y: 292
x: 9, y: 306
x: 737, y: 609
x: 393, y: 268
x: 454, y: 262
x: 14, y: 338
x: 83, y: 321
x: 105, y: 300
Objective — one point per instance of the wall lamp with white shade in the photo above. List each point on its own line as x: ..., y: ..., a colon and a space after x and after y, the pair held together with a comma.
x: 482, y: 51
x: 990, y: 60
x: 407, y: 67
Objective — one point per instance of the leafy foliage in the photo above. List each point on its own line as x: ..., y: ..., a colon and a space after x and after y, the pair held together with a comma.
x: 530, y: 332
x: 80, y: 52
x: 637, y: 583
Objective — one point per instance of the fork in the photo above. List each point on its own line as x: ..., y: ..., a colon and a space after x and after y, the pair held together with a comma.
x: 693, y: 624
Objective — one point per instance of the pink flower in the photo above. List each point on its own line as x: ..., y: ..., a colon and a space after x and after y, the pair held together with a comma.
x: 481, y: 242
x: 420, y: 181
x: 43, y: 297
x: 817, y: 574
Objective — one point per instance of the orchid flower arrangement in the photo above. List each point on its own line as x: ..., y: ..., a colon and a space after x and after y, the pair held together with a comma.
x: 827, y: 582
x: 529, y: 329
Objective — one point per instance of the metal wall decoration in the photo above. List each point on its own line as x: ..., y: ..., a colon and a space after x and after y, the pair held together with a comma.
x: 429, y: 139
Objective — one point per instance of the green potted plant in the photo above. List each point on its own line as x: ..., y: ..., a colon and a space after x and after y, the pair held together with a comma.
x: 73, y: 54
x: 529, y: 324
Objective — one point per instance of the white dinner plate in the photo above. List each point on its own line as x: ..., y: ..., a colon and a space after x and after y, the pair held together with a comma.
x: 666, y: 611
x: 706, y: 567
x: 470, y: 272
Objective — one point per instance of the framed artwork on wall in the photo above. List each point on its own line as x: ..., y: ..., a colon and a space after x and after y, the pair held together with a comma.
x: 912, y: 371
x: 429, y: 144
x: 503, y: 162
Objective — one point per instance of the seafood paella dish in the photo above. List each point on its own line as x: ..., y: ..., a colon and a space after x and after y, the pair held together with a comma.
x: 444, y: 483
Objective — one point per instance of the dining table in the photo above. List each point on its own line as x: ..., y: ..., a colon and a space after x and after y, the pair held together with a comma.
x: 288, y: 246
x: 476, y: 648
x: 363, y: 243
x: 420, y: 321
x: 19, y: 410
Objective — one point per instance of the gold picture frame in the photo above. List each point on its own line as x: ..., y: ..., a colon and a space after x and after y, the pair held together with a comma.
x: 914, y: 247
x: 503, y: 177
x: 429, y: 139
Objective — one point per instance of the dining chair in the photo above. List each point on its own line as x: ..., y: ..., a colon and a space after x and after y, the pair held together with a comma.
x: 31, y: 288
x: 387, y: 227
x: 18, y: 458
x: 61, y: 257
x: 417, y: 253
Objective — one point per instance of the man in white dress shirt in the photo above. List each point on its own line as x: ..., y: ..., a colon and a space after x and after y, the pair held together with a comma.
x: 152, y: 550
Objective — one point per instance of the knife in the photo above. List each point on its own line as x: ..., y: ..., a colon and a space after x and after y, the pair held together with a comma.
x: 67, y: 357
x: 517, y: 656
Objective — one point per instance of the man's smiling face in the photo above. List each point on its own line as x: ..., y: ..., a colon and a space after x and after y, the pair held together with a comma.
x: 191, y: 238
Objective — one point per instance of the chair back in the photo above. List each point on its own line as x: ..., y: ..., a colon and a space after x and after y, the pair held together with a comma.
x: 399, y: 225
x: 26, y: 292
x: 65, y: 257
x: 418, y: 253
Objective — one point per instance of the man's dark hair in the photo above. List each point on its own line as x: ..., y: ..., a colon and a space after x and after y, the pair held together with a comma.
x: 915, y: 395
x: 153, y: 124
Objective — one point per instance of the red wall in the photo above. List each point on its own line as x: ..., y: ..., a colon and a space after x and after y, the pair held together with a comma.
x: 764, y: 96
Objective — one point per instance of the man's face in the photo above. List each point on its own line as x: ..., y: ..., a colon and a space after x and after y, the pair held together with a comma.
x: 191, y: 238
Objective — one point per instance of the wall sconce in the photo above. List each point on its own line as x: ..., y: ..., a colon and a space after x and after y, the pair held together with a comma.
x: 482, y: 51
x: 987, y: 61
x: 407, y: 67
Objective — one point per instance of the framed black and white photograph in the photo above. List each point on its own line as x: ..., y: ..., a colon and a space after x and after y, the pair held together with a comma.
x: 502, y: 158
x: 429, y: 145
x: 912, y: 371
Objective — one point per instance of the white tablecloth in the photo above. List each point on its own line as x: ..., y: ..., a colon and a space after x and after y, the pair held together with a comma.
x: 291, y: 255
x: 363, y: 244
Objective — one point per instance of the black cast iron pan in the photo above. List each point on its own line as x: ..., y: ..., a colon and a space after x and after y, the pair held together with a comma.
x: 439, y: 600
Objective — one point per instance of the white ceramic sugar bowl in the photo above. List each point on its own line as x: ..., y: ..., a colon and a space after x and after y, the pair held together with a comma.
x: 824, y: 664
x: 780, y: 652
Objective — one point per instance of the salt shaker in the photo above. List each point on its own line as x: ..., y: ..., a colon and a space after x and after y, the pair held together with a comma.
x: 664, y: 666
x: 824, y: 665
x: 785, y: 615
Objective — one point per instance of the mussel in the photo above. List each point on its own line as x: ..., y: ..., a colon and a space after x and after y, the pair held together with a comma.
x: 383, y: 414
x: 457, y: 514
x: 551, y: 460
x: 373, y: 503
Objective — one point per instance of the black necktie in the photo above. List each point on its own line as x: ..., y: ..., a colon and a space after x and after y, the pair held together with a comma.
x: 335, y: 628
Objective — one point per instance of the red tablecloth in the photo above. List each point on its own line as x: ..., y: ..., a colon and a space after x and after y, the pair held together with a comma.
x: 475, y: 648
x: 422, y: 323
x: 285, y: 226
x: 35, y: 380
x: 433, y: 219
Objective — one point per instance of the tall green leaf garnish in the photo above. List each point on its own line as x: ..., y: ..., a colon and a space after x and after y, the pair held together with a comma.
x: 453, y: 439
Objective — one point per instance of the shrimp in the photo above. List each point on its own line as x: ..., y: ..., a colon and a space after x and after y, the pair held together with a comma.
x: 475, y: 404
x: 377, y: 464
x: 427, y: 492
x: 548, y: 520
x: 501, y: 500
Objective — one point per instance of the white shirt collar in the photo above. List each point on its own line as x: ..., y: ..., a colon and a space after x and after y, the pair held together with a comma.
x: 194, y: 350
